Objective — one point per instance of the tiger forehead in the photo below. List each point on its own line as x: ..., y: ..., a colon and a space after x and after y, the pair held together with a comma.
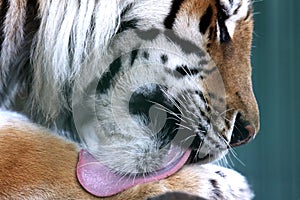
x: 197, y: 8
x: 210, y: 12
x: 231, y: 7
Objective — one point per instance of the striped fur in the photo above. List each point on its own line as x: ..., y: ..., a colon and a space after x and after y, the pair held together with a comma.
x: 53, y: 51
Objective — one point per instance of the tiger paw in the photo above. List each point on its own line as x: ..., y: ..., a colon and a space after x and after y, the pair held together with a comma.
x: 204, y: 181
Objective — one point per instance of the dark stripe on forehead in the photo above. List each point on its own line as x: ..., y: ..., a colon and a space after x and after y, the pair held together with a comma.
x: 3, y: 11
x: 205, y: 20
x: 185, y: 45
x: 170, y: 19
x: 150, y: 34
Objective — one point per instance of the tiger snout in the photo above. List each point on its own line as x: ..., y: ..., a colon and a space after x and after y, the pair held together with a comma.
x: 243, y: 132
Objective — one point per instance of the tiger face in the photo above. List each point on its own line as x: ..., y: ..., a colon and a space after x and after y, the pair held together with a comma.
x: 227, y: 39
x: 143, y: 86
x: 176, y: 90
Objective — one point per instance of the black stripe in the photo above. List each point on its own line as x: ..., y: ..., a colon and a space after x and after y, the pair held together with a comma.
x: 184, y: 70
x: 222, y: 17
x: 164, y: 58
x: 133, y: 56
x: 146, y: 55
x: 202, y: 129
x: 221, y: 173
x: 169, y: 21
x: 126, y: 9
x: 218, y: 194
x: 106, y: 80
x: 205, y: 20
x: 212, y: 33
x: 127, y: 24
x: 150, y: 34
x: 237, y: 9
x: 3, y: 11
x: 227, y: 123
x: 200, y: 94
x: 185, y: 45
x: 249, y: 12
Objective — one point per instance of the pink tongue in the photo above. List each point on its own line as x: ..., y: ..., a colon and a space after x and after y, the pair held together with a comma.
x: 99, y: 180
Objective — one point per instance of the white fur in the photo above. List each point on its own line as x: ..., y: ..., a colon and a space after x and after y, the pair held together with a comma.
x: 66, y: 28
x: 13, y: 34
x: 67, y: 51
x: 242, y: 12
x: 8, y: 118
x: 230, y: 184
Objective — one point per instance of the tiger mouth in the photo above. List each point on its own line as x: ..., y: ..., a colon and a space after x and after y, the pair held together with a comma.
x: 101, y: 181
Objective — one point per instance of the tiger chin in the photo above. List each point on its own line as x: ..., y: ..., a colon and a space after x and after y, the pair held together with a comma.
x: 124, y: 99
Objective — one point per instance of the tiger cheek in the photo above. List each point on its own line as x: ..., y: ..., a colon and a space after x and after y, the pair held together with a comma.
x: 233, y: 61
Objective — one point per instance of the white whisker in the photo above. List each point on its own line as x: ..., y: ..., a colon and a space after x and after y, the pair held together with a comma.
x: 185, y: 127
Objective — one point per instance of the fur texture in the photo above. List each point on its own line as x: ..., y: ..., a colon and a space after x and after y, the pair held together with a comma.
x: 35, y: 164
x: 82, y: 69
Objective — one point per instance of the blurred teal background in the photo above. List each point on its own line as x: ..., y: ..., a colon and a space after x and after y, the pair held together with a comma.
x: 272, y: 160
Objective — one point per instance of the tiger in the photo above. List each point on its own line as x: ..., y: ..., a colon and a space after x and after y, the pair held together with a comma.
x: 124, y: 99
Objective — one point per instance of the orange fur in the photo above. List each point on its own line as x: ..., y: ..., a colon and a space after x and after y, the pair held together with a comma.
x: 35, y: 164
x: 233, y: 62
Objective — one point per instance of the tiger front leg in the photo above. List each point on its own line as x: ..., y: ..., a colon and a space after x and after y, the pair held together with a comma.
x: 204, y: 181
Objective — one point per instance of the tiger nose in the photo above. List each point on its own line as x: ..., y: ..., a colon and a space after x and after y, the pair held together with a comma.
x: 242, y: 133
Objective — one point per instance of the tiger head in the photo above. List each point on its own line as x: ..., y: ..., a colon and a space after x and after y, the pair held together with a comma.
x: 226, y: 28
x: 174, y: 88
